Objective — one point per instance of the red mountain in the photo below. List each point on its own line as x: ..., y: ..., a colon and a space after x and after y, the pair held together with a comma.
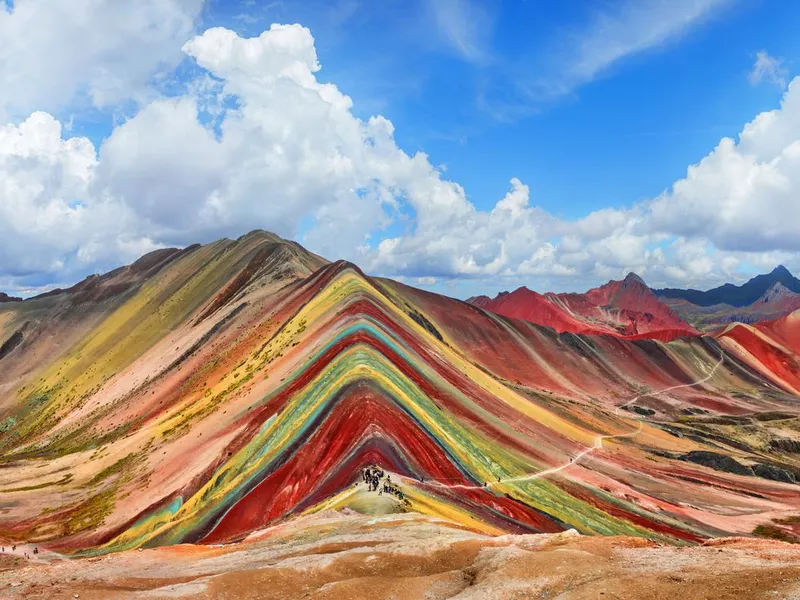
x: 626, y: 308
x: 770, y: 347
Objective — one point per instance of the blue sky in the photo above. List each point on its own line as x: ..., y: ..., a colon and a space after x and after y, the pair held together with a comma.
x: 630, y: 133
x: 590, y: 105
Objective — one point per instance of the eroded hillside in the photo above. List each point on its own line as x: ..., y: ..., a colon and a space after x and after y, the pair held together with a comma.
x: 208, y: 393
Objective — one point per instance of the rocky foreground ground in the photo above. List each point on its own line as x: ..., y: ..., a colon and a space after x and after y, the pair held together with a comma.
x: 345, y: 555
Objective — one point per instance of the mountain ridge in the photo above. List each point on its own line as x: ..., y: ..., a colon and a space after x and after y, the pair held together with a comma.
x: 245, y: 383
x: 735, y: 295
x: 625, y: 308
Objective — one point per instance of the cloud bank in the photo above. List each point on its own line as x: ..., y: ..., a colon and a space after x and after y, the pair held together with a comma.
x: 259, y: 139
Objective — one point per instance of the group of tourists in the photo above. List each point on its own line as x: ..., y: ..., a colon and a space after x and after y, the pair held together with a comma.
x: 14, y: 549
x: 374, y: 478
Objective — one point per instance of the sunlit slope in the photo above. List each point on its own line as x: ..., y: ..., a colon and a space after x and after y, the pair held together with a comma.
x: 234, y: 388
x: 127, y: 327
x: 626, y: 309
x: 770, y: 348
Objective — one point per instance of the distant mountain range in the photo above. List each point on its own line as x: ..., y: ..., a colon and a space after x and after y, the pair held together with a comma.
x: 626, y: 308
x: 630, y: 309
x: 736, y: 295
x: 762, y: 298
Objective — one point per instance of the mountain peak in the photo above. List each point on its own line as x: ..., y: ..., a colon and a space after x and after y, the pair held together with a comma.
x: 737, y: 295
x: 633, y: 278
x: 263, y: 234
x: 781, y: 270
x: 625, y: 293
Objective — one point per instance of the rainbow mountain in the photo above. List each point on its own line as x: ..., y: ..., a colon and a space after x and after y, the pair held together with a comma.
x: 205, y: 394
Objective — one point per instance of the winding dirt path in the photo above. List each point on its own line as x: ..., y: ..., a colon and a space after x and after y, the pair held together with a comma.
x: 598, y: 444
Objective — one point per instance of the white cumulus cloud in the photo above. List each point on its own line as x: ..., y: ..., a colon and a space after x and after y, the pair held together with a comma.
x: 262, y: 140
x: 745, y: 195
x: 54, y: 50
x: 49, y: 221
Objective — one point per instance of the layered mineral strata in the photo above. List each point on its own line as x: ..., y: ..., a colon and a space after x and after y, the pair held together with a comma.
x: 204, y: 394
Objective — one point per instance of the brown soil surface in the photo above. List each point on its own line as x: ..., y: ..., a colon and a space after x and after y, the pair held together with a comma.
x: 345, y: 556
